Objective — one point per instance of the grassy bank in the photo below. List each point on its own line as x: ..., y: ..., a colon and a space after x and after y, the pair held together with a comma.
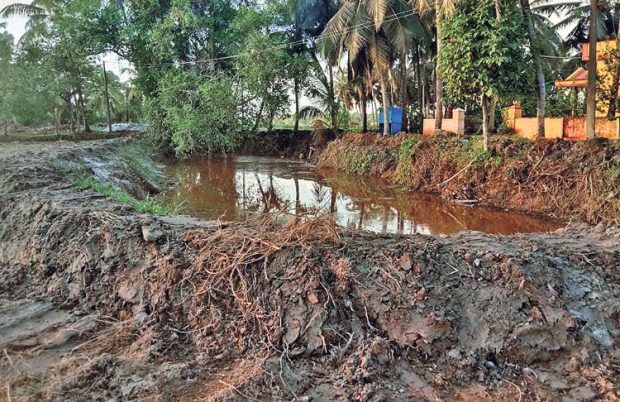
x: 148, y: 205
x: 140, y: 180
x: 559, y: 179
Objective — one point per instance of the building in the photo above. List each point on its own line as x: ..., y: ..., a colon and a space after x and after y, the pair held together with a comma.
x: 572, y: 128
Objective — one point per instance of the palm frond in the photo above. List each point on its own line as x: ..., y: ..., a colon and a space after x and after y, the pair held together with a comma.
x: 377, y: 10
x: 311, y: 112
x: 20, y: 9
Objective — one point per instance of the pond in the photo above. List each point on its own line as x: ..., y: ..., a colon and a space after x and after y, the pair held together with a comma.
x: 239, y: 187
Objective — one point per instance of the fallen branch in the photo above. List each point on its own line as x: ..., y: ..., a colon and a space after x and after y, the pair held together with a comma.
x: 443, y: 184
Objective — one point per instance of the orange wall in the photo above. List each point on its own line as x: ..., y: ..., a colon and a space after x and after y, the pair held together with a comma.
x: 527, y: 127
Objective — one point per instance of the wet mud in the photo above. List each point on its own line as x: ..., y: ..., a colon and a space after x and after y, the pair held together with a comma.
x: 99, y: 302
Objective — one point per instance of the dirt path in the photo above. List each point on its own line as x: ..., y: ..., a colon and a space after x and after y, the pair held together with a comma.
x: 98, y: 302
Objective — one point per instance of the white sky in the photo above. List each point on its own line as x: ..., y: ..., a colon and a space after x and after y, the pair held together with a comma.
x: 16, y: 26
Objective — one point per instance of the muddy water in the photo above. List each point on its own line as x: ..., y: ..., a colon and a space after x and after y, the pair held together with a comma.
x: 239, y: 187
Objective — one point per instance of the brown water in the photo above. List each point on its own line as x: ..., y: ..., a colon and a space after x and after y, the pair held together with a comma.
x: 239, y: 187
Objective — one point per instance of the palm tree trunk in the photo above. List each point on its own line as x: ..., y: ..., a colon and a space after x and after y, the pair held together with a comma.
x: 438, y: 83
x: 498, y: 9
x: 591, y: 99
x: 364, y: 109
x: 296, y: 89
x: 332, y: 202
x: 57, y: 119
x: 418, y: 74
x: 485, y: 123
x: 403, y: 91
x: 615, y: 86
x: 272, y: 114
x: 332, y: 100
x: 297, y: 199
x: 386, y: 105
x: 541, y: 94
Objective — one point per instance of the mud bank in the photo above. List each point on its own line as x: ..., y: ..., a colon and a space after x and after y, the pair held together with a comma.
x: 101, y: 302
x: 560, y: 179
x: 286, y: 143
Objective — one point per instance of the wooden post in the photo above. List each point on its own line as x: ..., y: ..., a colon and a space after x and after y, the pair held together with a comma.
x: 107, y: 99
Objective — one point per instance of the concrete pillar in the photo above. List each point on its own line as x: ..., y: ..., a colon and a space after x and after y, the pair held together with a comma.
x: 513, y: 113
x: 458, y: 115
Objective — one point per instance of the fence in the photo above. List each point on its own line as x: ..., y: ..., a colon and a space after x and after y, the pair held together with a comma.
x: 568, y: 128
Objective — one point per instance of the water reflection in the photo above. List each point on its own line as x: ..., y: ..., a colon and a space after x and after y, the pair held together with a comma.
x: 235, y: 188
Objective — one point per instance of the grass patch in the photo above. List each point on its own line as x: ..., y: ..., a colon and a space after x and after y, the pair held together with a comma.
x: 135, y: 155
x: 146, y: 206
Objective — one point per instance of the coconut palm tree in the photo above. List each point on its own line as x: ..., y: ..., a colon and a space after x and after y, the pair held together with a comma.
x: 371, y: 26
x: 576, y: 16
x: 442, y: 9
x: 540, y: 72
x: 323, y: 90
x: 34, y: 9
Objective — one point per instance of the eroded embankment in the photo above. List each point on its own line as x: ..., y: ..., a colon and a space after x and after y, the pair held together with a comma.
x: 560, y: 179
x: 128, y: 306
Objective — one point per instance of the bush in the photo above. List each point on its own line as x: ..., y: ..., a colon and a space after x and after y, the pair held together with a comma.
x: 193, y: 114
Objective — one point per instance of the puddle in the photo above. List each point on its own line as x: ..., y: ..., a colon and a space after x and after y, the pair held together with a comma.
x: 239, y: 187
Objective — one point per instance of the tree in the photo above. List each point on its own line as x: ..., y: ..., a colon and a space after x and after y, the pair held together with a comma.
x: 322, y: 91
x: 482, y: 56
x: 360, y: 25
x: 442, y: 9
x: 576, y: 16
x: 6, y: 54
x: 592, y: 63
x: 265, y: 75
x: 193, y: 118
x: 535, y: 50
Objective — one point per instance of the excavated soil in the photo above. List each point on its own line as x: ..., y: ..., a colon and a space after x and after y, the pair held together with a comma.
x: 100, y: 303
x: 561, y: 179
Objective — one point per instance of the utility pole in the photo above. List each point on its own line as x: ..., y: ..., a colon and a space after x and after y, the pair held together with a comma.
x: 107, y: 99
x: 592, y: 65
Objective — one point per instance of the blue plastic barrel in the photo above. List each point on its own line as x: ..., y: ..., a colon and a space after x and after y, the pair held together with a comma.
x: 395, y: 120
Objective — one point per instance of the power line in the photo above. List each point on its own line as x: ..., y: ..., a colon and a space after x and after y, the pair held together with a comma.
x: 402, y: 14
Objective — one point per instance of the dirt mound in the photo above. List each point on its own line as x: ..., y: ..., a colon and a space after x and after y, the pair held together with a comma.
x: 561, y: 179
x: 168, y: 308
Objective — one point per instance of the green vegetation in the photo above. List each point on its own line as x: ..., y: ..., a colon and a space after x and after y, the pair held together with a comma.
x: 146, y: 206
x: 134, y: 154
x: 483, y: 56
x: 405, y: 152
x: 206, y: 75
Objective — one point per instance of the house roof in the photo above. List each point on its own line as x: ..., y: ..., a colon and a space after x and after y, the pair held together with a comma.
x: 578, y: 79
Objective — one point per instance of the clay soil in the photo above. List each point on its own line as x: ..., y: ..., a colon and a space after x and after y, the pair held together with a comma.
x: 98, y: 302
